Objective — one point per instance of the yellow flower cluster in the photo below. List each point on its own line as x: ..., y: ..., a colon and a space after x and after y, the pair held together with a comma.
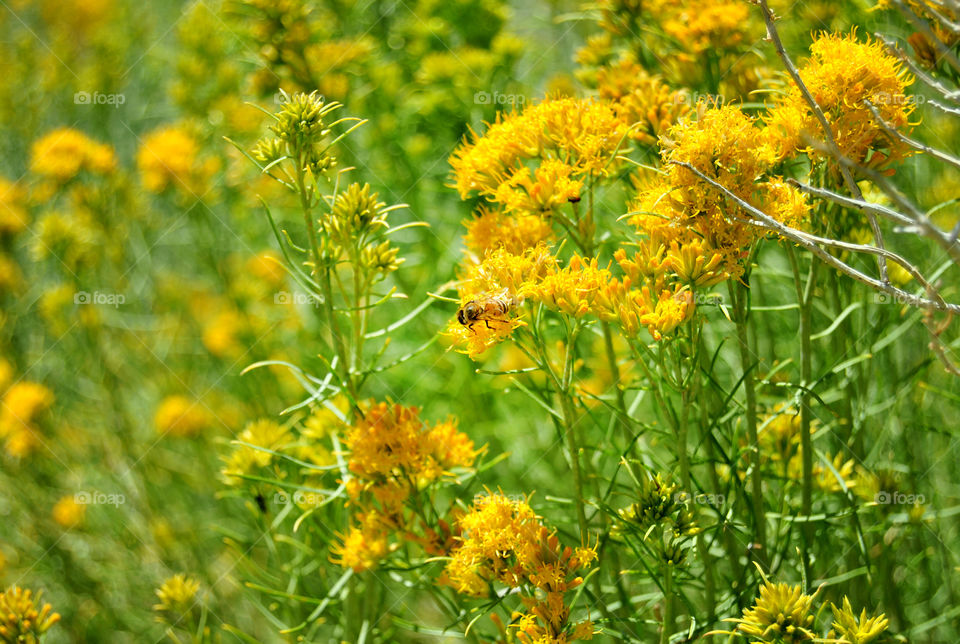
x: 646, y: 104
x: 67, y: 512
x: 492, y: 229
x: 532, y: 163
x: 179, y: 416
x: 23, y: 403
x: 23, y: 620
x: 13, y: 211
x: 692, y: 28
x: 582, y: 134
x: 784, y: 614
x: 393, y: 455
x: 781, y: 613
x: 779, y: 446
x: 170, y: 157
x: 703, y: 25
x: 393, y: 452
x: 265, y: 433
x: 842, y: 74
x: 177, y: 595
x: 62, y: 154
x: 677, y: 207
x: 503, y: 540
x: 494, y: 291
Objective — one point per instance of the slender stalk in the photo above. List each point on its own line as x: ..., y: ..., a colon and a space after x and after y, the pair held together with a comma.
x: 622, y: 414
x: 738, y: 293
x: 323, y: 276
x: 570, y: 432
x: 805, y: 300
x: 667, y: 604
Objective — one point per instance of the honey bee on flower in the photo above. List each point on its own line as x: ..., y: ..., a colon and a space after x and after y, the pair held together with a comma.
x: 487, y: 308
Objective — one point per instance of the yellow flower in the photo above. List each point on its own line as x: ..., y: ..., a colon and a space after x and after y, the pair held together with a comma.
x: 701, y: 25
x: 645, y: 103
x: 22, y: 404
x: 549, y: 188
x: 781, y: 614
x: 584, y: 134
x: 221, y: 334
x: 853, y: 630
x: 67, y: 512
x: 13, y: 212
x: 179, y: 416
x: 677, y: 206
x: 266, y: 266
x: 265, y: 433
x: 69, y: 237
x: 492, y: 229
x: 10, y: 277
x: 842, y: 74
x: 6, y: 374
x: 390, y: 443
x: 62, y: 153
x: 170, y: 157
x: 361, y: 548
x: 503, y: 540
x: 177, y: 595
x: 23, y: 620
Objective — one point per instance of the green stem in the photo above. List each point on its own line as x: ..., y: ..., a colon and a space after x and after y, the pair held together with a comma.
x: 805, y: 300
x: 738, y: 294
x: 570, y: 433
x: 667, y: 604
x: 623, y: 416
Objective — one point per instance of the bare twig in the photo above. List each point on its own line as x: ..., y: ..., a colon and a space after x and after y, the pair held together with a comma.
x: 928, y: 80
x: 825, y: 125
x: 812, y: 243
x: 924, y: 27
x: 913, y: 143
x: 933, y: 302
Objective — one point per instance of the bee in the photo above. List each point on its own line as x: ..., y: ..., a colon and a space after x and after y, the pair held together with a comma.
x: 486, y: 308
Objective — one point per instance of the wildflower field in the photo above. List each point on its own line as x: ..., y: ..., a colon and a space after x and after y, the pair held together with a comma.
x: 530, y: 321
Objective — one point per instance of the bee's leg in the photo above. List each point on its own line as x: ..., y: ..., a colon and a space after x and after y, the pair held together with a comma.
x: 487, y: 322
